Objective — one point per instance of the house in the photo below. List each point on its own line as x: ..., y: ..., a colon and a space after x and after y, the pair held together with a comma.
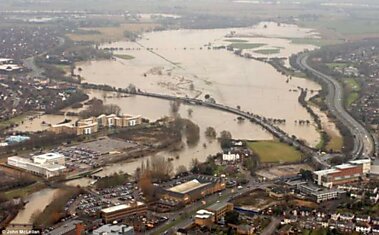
x: 363, y: 228
x: 230, y: 157
x: 363, y: 219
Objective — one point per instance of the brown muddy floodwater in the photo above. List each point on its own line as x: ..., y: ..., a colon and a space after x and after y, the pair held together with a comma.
x: 179, y: 63
x: 36, y: 204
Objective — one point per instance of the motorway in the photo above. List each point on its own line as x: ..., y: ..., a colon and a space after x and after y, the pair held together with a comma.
x: 363, y: 141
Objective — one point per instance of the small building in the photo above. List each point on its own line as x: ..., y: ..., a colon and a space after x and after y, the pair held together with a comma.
x: 204, y: 218
x: 219, y: 209
x: 109, y: 229
x: 230, y: 157
x: 119, y: 212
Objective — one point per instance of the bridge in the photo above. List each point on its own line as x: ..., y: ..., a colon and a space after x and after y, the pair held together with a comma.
x: 261, y: 121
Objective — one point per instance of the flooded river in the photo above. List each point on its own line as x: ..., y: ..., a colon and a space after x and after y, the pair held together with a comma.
x: 36, y: 204
x: 179, y: 63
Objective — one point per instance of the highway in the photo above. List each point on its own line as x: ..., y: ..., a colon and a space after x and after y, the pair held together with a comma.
x: 363, y: 141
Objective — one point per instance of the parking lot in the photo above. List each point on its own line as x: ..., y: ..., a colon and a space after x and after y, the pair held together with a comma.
x: 95, y: 153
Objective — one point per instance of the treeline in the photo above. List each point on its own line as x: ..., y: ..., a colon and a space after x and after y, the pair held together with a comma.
x: 74, y: 98
x: 54, y: 212
x: 348, y: 139
x: 97, y: 107
x: 39, y: 141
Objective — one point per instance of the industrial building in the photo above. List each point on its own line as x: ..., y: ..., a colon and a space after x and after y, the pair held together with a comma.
x: 120, y: 212
x: 195, y: 188
x: 47, y: 165
x: 341, y: 174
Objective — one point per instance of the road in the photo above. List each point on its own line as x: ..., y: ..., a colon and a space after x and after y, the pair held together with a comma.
x: 191, y: 209
x: 274, y: 130
x: 270, y: 229
x: 363, y: 141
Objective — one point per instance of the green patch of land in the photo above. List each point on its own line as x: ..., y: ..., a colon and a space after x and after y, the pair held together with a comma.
x: 14, y: 121
x: 25, y: 191
x: 315, y: 41
x: 268, y: 51
x: 243, y: 46
x: 274, y: 152
x: 236, y: 40
x: 124, y: 57
x: 65, y: 68
x: 337, y: 65
x: 352, y: 89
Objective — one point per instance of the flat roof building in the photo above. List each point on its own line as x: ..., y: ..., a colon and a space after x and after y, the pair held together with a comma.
x: 195, y: 188
x: 344, y: 173
x: 109, y: 229
x: 122, y: 211
x: 47, y: 165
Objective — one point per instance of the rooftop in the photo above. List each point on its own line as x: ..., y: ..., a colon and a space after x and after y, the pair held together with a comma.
x: 344, y: 166
x: 361, y: 161
x: 187, y: 186
x: 121, y: 207
x: 217, y: 206
x: 49, y: 156
x: 325, y: 172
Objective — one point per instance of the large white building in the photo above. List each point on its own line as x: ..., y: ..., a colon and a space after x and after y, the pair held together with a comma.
x: 47, y: 165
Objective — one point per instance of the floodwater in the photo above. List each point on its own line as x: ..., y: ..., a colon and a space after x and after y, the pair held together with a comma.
x: 179, y: 63
x: 153, y: 109
x: 36, y: 204
x: 39, y: 122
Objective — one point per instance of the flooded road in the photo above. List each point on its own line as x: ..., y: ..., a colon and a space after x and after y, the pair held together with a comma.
x: 180, y: 63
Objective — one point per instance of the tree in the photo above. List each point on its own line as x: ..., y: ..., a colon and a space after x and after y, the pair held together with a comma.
x: 174, y: 107
x: 146, y: 185
x: 181, y: 169
x: 132, y: 88
x: 225, y: 139
x: 232, y: 217
x: 189, y: 112
x: 210, y: 132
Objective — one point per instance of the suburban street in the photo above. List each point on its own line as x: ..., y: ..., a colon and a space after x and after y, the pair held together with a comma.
x: 363, y: 141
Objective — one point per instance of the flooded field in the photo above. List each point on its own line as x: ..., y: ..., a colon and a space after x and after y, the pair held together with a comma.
x: 184, y: 63
x: 41, y: 122
x: 154, y: 109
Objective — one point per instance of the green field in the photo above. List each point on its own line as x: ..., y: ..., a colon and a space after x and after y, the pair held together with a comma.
x: 236, y: 40
x: 124, y: 57
x: 337, y: 65
x: 15, y: 120
x: 274, y: 152
x: 24, y: 191
x: 242, y: 46
x: 352, y: 89
x: 268, y: 51
x: 315, y: 41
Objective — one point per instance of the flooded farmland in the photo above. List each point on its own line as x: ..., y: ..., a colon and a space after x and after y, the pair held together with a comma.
x: 185, y: 63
